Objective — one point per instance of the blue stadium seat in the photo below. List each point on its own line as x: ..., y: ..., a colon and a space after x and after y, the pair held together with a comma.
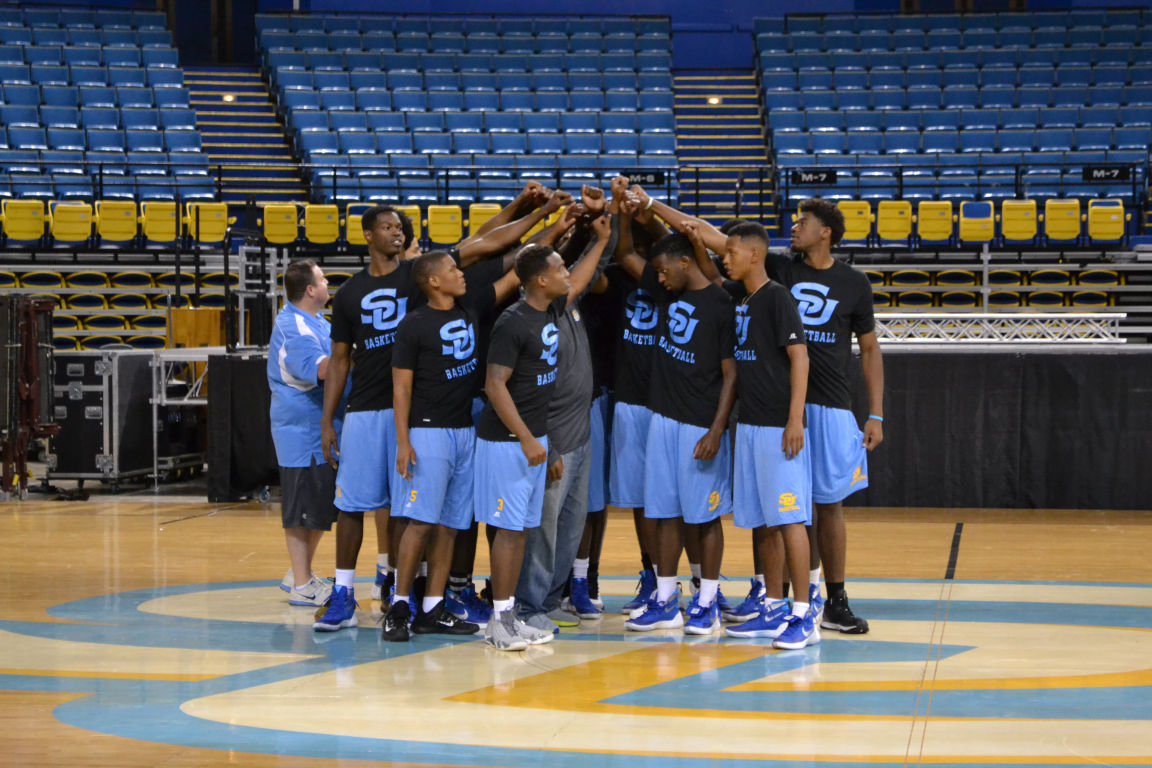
x: 60, y: 117
x: 432, y: 143
x: 503, y: 122
x: 1017, y: 140
x: 66, y: 139
x: 940, y: 141
x: 901, y: 142
x: 545, y: 143
x: 940, y: 119
x: 338, y: 121
x: 182, y: 141
x: 579, y: 122
x: 1132, y: 137
x: 980, y: 140
x: 463, y: 122
x: 825, y: 120
x: 924, y: 97
x: 372, y: 100
x: 470, y: 143
x: 385, y: 121
x: 865, y: 142
x: 541, y: 122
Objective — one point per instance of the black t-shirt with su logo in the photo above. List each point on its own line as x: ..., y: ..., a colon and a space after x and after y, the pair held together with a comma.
x: 439, y: 347
x: 697, y: 330
x: 834, y: 303
x: 767, y: 323
x: 527, y: 341
x: 366, y: 312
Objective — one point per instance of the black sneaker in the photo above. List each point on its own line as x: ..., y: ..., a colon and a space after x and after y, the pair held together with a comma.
x: 441, y: 621
x: 396, y: 623
x: 838, y: 616
x: 486, y: 593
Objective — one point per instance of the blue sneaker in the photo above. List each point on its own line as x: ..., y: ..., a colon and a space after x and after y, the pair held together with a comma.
x: 385, y: 580
x: 341, y: 611
x: 580, y: 603
x: 657, y: 615
x: 702, y: 619
x: 771, y: 622
x: 816, y: 602
x: 798, y: 633
x: 468, y: 606
x: 722, y: 602
x: 645, y: 592
x: 749, y: 608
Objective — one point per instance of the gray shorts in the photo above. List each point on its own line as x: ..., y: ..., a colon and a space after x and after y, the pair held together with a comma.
x: 306, y: 496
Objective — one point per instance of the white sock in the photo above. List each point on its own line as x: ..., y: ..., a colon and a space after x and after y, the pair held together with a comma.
x: 655, y: 571
x: 499, y: 606
x: 430, y: 603
x: 665, y: 587
x: 399, y: 599
x: 708, y: 590
x: 423, y: 569
x: 814, y: 578
x: 695, y: 569
x: 760, y: 578
x: 382, y: 561
x: 580, y: 568
x: 344, y: 578
x: 799, y: 609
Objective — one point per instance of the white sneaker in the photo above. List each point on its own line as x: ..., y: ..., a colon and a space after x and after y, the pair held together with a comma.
x: 288, y: 582
x: 502, y: 632
x: 316, y: 592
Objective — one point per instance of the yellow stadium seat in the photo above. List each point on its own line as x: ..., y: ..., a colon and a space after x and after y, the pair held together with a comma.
x: 957, y: 277
x: 959, y: 300
x: 1045, y: 299
x: 128, y: 301
x: 149, y: 322
x: 8, y: 280
x: 1106, y: 220
x: 170, y: 300
x: 875, y: 276
x: 335, y: 279
x: 894, y: 220
x: 1018, y: 220
x: 146, y: 341
x: 65, y: 343
x: 857, y: 220
x: 353, y: 229
x: 321, y: 224
x: 1062, y: 220
x: 169, y: 280
x: 41, y: 279
x: 99, y: 342
x: 479, y: 213
x: 1090, y: 299
x: 1096, y: 277
x: 907, y: 277
x: 544, y: 223
x: 159, y: 221
x: 65, y: 322
x: 280, y: 223
x: 414, y: 216
x: 977, y: 221
x: 934, y: 221
x: 87, y: 301
x: 212, y: 300
x: 1005, y: 277
x: 70, y: 222
x: 105, y: 322
x: 86, y: 278
x: 217, y: 280
x: 207, y: 222
x: 445, y: 224
x: 881, y: 299
x: 133, y: 279
x: 1002, y: 299
x: 23, y: 219
x: 914, y: 299
x: 116, y: 220
x: 1047, y: 277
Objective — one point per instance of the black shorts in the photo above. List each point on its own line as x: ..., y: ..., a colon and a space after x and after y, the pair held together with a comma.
x: 307, y: 494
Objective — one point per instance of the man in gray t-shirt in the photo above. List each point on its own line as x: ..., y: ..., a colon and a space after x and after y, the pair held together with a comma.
x: 550, y: 548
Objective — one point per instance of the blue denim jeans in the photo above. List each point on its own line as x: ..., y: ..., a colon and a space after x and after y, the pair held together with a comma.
x: 550, y: 548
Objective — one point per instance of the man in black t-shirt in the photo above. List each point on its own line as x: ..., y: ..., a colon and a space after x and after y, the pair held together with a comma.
x: 435, y: 375
x: 687, y: 473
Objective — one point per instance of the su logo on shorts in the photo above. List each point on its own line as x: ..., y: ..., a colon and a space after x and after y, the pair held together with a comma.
x: 813, y: 302
x: 681, y: 325
x: 858, y: 476
x: 460, y: 338
x: 550, y: 336
x: 384, y: 310
x: 787, y: 502
x: 641, y: 310
x: 742, y: 321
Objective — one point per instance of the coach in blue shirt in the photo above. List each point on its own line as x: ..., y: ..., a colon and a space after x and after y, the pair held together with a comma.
x: 297, y: 363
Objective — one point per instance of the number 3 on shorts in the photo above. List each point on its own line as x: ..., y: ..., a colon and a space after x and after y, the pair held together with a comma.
x: 713, y: 501
x: 499, y: 505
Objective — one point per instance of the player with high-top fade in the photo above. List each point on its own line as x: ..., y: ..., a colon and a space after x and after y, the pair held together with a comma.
x: 687, y: 468
x: 835, y: 302
x: 511, y: 432
x: 435, y: 375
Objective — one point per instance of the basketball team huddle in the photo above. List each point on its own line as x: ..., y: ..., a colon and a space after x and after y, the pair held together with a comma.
x: 570, y: 354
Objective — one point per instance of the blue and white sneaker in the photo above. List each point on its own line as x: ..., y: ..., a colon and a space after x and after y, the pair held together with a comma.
x: 467, y: 606
x: 580, y: 603
x: 749, y: 608
x: 771, y: 622
x: 385, y: 580
x: 702, y: 619
x: 341, y: 611
x: 816, y: 602
x: 799, y: 633
x: 645, y: 592
x: 657, y: 615
x: 722, y: 602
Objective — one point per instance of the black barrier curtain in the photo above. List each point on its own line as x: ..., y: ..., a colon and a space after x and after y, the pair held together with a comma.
x: 241, y: 456
x: 1018, y: 430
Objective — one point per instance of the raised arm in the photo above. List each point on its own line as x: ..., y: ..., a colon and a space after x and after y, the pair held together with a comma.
x: 508, y: 284
x: 532, y: 196
x: 585, y: 270
x: 703, y: 260
x: 336, y: 376
x: 873, y: 365
x: 798, y: 382
x: 626, y: 255
x: 496, y: 387
x: 713, y: 238
x: 501, y: 238
x: 401, y: 408
x: 709, y: 445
